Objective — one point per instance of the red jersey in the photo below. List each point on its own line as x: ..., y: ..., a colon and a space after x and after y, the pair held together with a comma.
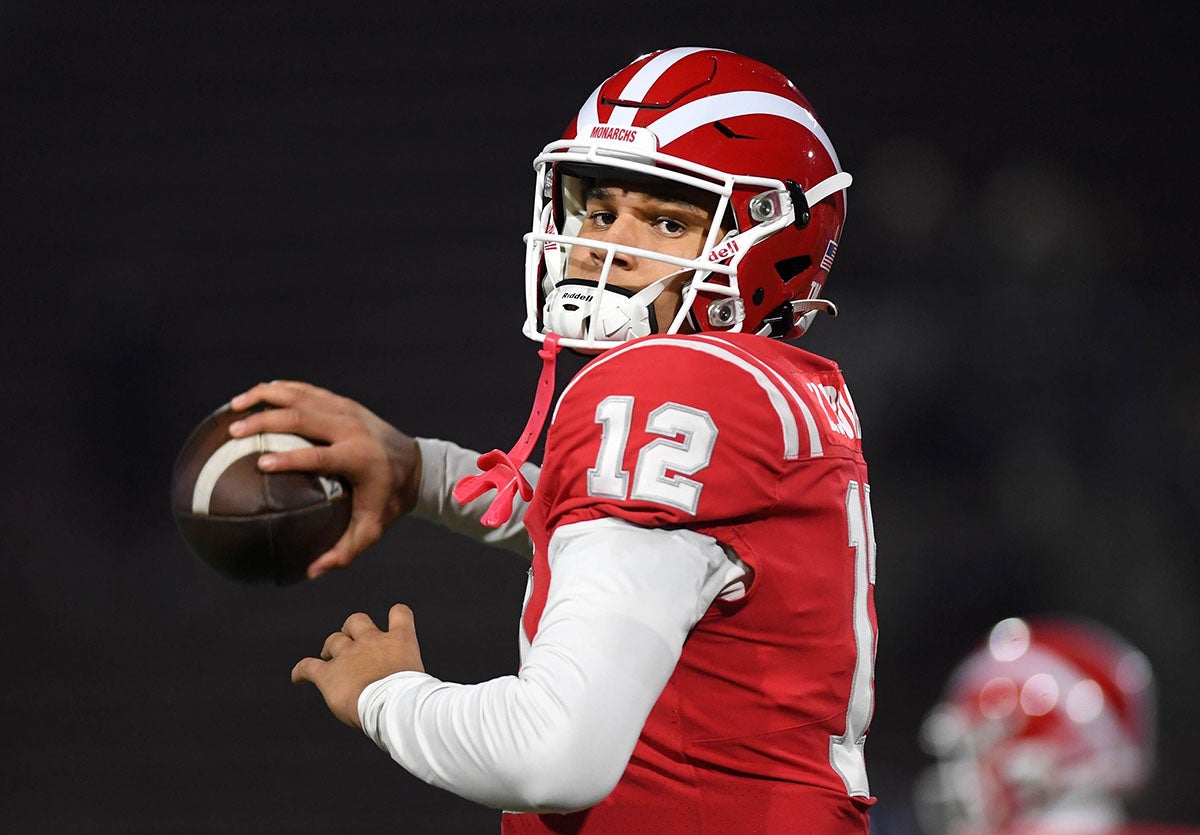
x: 755, y: 443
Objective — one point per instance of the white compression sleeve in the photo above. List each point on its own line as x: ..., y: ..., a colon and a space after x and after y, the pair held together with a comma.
x: 442, y: 465
x: 557, y: 736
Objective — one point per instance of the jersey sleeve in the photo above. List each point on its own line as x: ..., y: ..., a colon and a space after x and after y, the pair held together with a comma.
x: 673, y: 432
x: 443, y: 464
x: 557, y: 736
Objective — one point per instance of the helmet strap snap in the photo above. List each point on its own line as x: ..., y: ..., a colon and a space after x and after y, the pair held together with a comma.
x: 803, y: 214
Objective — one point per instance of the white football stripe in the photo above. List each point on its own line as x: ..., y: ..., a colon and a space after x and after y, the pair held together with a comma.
x: 727, y: 105
x: 233, y: 450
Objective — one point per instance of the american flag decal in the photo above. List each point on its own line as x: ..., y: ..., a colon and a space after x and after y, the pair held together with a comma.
x: 830, y: 251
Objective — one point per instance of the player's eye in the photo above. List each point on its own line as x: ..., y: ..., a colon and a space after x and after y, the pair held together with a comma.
x: 601, y: 218
x: 670, y: 226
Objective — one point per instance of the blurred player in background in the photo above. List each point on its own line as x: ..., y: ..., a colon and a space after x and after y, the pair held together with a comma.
x: 698, y: 635
x: 1045, y: 729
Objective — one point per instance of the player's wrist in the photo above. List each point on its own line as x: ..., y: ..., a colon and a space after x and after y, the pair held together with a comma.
x: 406, y: 463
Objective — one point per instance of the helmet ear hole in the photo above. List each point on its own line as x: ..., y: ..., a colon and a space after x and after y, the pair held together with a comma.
x: 789, y: 268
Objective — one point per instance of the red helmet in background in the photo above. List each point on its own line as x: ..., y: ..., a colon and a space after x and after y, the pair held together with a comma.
x: 715, y: 121
x: 1049, y: 717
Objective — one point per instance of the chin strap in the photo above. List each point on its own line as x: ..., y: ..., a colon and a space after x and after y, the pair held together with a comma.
x: 501, y: 471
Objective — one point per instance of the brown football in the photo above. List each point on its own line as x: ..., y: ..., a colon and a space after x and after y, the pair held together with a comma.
x: 252, y: 526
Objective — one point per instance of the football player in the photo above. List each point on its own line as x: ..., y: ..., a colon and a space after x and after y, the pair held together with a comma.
x: 1045, y: 729
x: 699, y: 632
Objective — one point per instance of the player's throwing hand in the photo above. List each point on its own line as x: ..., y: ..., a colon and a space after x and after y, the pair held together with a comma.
x: 382, y: 464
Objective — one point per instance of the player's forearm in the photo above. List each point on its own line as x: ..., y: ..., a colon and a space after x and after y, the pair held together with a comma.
x: 555, y: 738
x: 509, y: 743
x: 558, y: 736
x: 443, y: 464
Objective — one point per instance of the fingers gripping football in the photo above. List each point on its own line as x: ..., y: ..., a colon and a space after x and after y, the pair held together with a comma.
x: 357, y: 655
x: 381, y: 463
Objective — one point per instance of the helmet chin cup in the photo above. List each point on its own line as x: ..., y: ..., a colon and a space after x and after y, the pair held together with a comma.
x: 576, y: 306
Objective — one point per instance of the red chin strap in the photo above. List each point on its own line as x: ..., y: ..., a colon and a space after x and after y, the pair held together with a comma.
x: 502, y: 470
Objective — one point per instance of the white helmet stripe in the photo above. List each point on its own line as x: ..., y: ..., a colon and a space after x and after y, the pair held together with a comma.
x: 589, y: 114
x: 641, y: 82
x: 644, y: 79
x: 727, y: 105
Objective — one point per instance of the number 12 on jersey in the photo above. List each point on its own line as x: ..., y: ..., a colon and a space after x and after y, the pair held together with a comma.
x: 685, y: 449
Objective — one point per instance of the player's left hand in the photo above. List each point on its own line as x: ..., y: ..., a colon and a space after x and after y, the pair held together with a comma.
x: 357, y: 655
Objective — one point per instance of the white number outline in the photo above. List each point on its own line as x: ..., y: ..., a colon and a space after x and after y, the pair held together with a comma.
x: 846, y: 755
x: 685, y: 448
x: 607, y: 479
x: 684, y: 457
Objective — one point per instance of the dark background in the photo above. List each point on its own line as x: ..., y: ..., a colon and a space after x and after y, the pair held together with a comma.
x: 199, y: 196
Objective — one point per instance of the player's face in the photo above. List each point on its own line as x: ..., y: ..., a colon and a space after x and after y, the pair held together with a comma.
x: 667, y: 219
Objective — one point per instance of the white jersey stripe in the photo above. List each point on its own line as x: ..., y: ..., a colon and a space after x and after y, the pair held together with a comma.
x: 727, y: 105
x: 815, y: 448
x: 787, y: 420
x: 644, y: 79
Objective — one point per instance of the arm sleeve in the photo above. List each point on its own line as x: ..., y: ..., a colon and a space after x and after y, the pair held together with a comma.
x: 442, y: 465
x: 557, y: 736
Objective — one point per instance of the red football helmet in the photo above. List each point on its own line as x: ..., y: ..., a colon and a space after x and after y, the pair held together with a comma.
x: 715, y: 121
x: 1050, y: 719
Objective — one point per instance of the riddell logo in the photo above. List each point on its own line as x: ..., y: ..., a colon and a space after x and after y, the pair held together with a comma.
x: 617, y: 134
x: 583, y: 297
x: 725, y: 250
